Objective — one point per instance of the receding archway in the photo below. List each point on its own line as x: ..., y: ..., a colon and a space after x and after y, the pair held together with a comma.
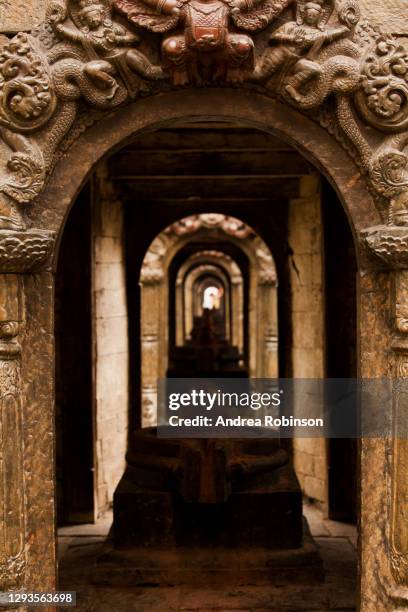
x: 167, y: 262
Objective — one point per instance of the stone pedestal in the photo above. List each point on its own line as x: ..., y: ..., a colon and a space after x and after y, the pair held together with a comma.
x: 206, y: 503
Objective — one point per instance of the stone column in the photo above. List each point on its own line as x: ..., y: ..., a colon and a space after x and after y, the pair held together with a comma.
x: 399, y: 525
x: 308, y: 321
x: 180, y: 315
x: 384, y: 460
x: 23, y: 537
x: 12, y: 486
x: 237, y: 312
x: 374, y: 293
x: 268, y: 330
x: 150, y: 341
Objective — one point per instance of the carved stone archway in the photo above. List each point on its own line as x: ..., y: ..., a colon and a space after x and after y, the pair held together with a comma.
x: 375, y: 291
x: 347, y: 113
x: 209, y: 228
x: 211, y: 260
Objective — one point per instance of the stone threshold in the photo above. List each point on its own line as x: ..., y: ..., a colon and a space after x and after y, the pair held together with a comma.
x: 211, y: 566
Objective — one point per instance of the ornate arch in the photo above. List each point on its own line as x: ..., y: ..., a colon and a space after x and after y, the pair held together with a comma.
x: 70, y: 100
x: 83, y: 63
x: 227, y: 267
x: 213, y: 228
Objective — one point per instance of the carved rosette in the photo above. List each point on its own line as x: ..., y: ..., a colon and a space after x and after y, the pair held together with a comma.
x: 383, y: 98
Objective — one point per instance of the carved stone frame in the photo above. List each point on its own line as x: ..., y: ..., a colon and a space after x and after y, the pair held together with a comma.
x: 380, y: 587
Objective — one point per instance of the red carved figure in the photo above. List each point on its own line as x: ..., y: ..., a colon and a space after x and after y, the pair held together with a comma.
x: 204, y: 42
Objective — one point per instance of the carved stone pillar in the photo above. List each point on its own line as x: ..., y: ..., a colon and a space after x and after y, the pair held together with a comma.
x: 268, y: 332
x: 150, y: 340
x: 384, y: 321
x: 399, y: 524
x: 19, y: 252
x: 12, y: 489
x: 180, y: 318
x: 237, y: 312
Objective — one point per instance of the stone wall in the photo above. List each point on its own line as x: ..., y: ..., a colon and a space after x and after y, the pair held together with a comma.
x: 111, y: 342
x: 390, y: 16
x: 305, y: 240
x: 20, y: 15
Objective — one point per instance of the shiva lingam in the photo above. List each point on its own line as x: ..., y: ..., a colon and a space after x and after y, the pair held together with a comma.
x: 207, y: 492
x: 207, y: 511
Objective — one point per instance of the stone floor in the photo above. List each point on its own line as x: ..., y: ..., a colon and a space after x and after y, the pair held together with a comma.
x: 78, y: 546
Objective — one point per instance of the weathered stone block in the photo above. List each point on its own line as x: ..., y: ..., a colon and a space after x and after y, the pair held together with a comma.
x: 108, y: 249
x: 308, y: 363
x: 389, y: 16
x: 111, y: 219
x: 111, y: 376
x: 315, y: 488
x: 109, y: 275
x: 112, y: 336
x: 307, y: 330
x: 21, y: 15
x: 304, y: 463
x: 111, y: 302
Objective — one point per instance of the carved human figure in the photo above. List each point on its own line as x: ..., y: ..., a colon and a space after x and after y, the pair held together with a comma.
x: 108, y: 46
x: 295, y: 47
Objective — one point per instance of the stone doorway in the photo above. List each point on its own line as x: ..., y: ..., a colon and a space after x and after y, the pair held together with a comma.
x: 295, y: 211
x: 73, y: 97
x: 377, y: 288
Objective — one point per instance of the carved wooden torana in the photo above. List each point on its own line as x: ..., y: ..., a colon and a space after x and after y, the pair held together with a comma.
x: 91, y: 56
x: 98, y: 54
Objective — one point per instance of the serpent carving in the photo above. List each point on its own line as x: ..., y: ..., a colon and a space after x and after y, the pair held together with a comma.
x: 71, y: 83
x: 337, y: 75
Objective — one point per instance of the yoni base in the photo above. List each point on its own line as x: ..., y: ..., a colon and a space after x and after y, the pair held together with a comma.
x: 269, y: 514
x: 211, y: 567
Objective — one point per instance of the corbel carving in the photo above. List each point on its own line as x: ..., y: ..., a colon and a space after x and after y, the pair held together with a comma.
x: 25, y: 251
x: 388, y: 244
